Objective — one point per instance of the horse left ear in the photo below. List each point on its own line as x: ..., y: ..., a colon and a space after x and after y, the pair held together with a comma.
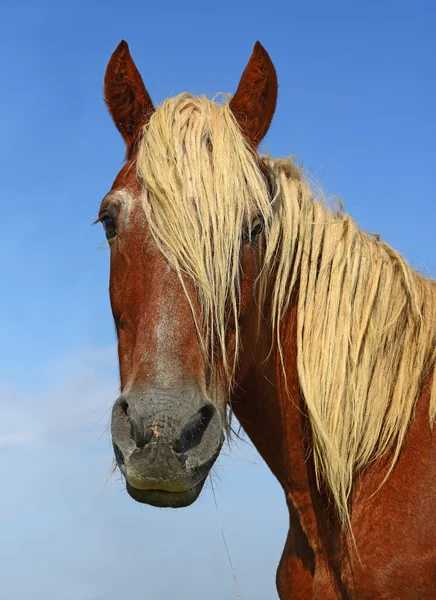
x: 255, y: 100
x: 126, y: 97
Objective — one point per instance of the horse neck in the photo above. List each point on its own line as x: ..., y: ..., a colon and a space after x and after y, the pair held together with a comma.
x: 270, y: 408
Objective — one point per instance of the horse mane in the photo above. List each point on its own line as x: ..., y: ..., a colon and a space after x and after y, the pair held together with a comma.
x: 366, y: 333
x: 366, y: 330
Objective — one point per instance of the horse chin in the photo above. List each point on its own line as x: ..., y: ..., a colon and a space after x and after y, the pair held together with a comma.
x: 165, y: 499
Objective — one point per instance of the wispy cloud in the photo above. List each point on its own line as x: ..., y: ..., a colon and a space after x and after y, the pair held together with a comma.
x: 77, y: 398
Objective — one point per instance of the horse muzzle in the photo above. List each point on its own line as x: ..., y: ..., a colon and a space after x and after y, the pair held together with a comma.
x: 165, y: 443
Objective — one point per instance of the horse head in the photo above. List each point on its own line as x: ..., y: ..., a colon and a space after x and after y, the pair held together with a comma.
x: 185, y: 237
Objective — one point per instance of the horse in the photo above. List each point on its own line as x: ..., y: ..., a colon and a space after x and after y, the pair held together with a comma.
x: 237, y: 288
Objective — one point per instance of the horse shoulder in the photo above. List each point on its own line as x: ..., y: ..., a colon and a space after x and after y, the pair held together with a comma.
x: 394, y: 555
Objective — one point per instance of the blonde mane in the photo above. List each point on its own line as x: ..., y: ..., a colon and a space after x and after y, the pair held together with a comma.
x: 366, y: 321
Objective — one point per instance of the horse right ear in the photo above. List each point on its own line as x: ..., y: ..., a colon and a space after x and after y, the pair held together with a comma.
x: 126, y: 97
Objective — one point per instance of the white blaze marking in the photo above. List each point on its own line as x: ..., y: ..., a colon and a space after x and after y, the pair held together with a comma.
x: 167, y: 348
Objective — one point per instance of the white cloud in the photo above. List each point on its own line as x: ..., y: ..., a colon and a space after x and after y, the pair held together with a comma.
x: 77, y: 398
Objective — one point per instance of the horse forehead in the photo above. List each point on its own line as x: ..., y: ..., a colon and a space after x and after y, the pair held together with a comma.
x: 126, y: 189
x: 126, y: 178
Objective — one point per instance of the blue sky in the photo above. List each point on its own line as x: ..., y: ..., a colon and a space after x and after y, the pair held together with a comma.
x: 356, y: 105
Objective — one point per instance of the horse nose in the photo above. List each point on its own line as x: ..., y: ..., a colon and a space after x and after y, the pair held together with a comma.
x: 193, y: 431
x: 184, y: 431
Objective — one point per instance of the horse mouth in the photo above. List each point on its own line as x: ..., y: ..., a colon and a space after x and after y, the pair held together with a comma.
x: 177, y: 490
x: 165, y: 499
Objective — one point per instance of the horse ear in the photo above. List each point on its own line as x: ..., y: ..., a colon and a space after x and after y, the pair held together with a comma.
x: 126, y: 97
x: 255, y: 100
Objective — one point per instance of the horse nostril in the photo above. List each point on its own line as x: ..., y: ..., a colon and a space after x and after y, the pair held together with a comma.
x: 137, y: 429
x: 136, y: 423
x: 118, y: 455
x: 194, y: 430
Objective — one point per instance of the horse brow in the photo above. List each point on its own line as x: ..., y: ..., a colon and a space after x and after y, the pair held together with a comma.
x: 111, y: 199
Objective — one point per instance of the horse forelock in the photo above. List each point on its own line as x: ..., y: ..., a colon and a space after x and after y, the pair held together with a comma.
x: 201, y: 187
x: 366, y: 320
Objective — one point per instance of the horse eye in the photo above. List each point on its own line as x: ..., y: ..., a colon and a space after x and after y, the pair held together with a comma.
x: 257, y: 227
x: 255, y: 230
x: 109, y: 226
